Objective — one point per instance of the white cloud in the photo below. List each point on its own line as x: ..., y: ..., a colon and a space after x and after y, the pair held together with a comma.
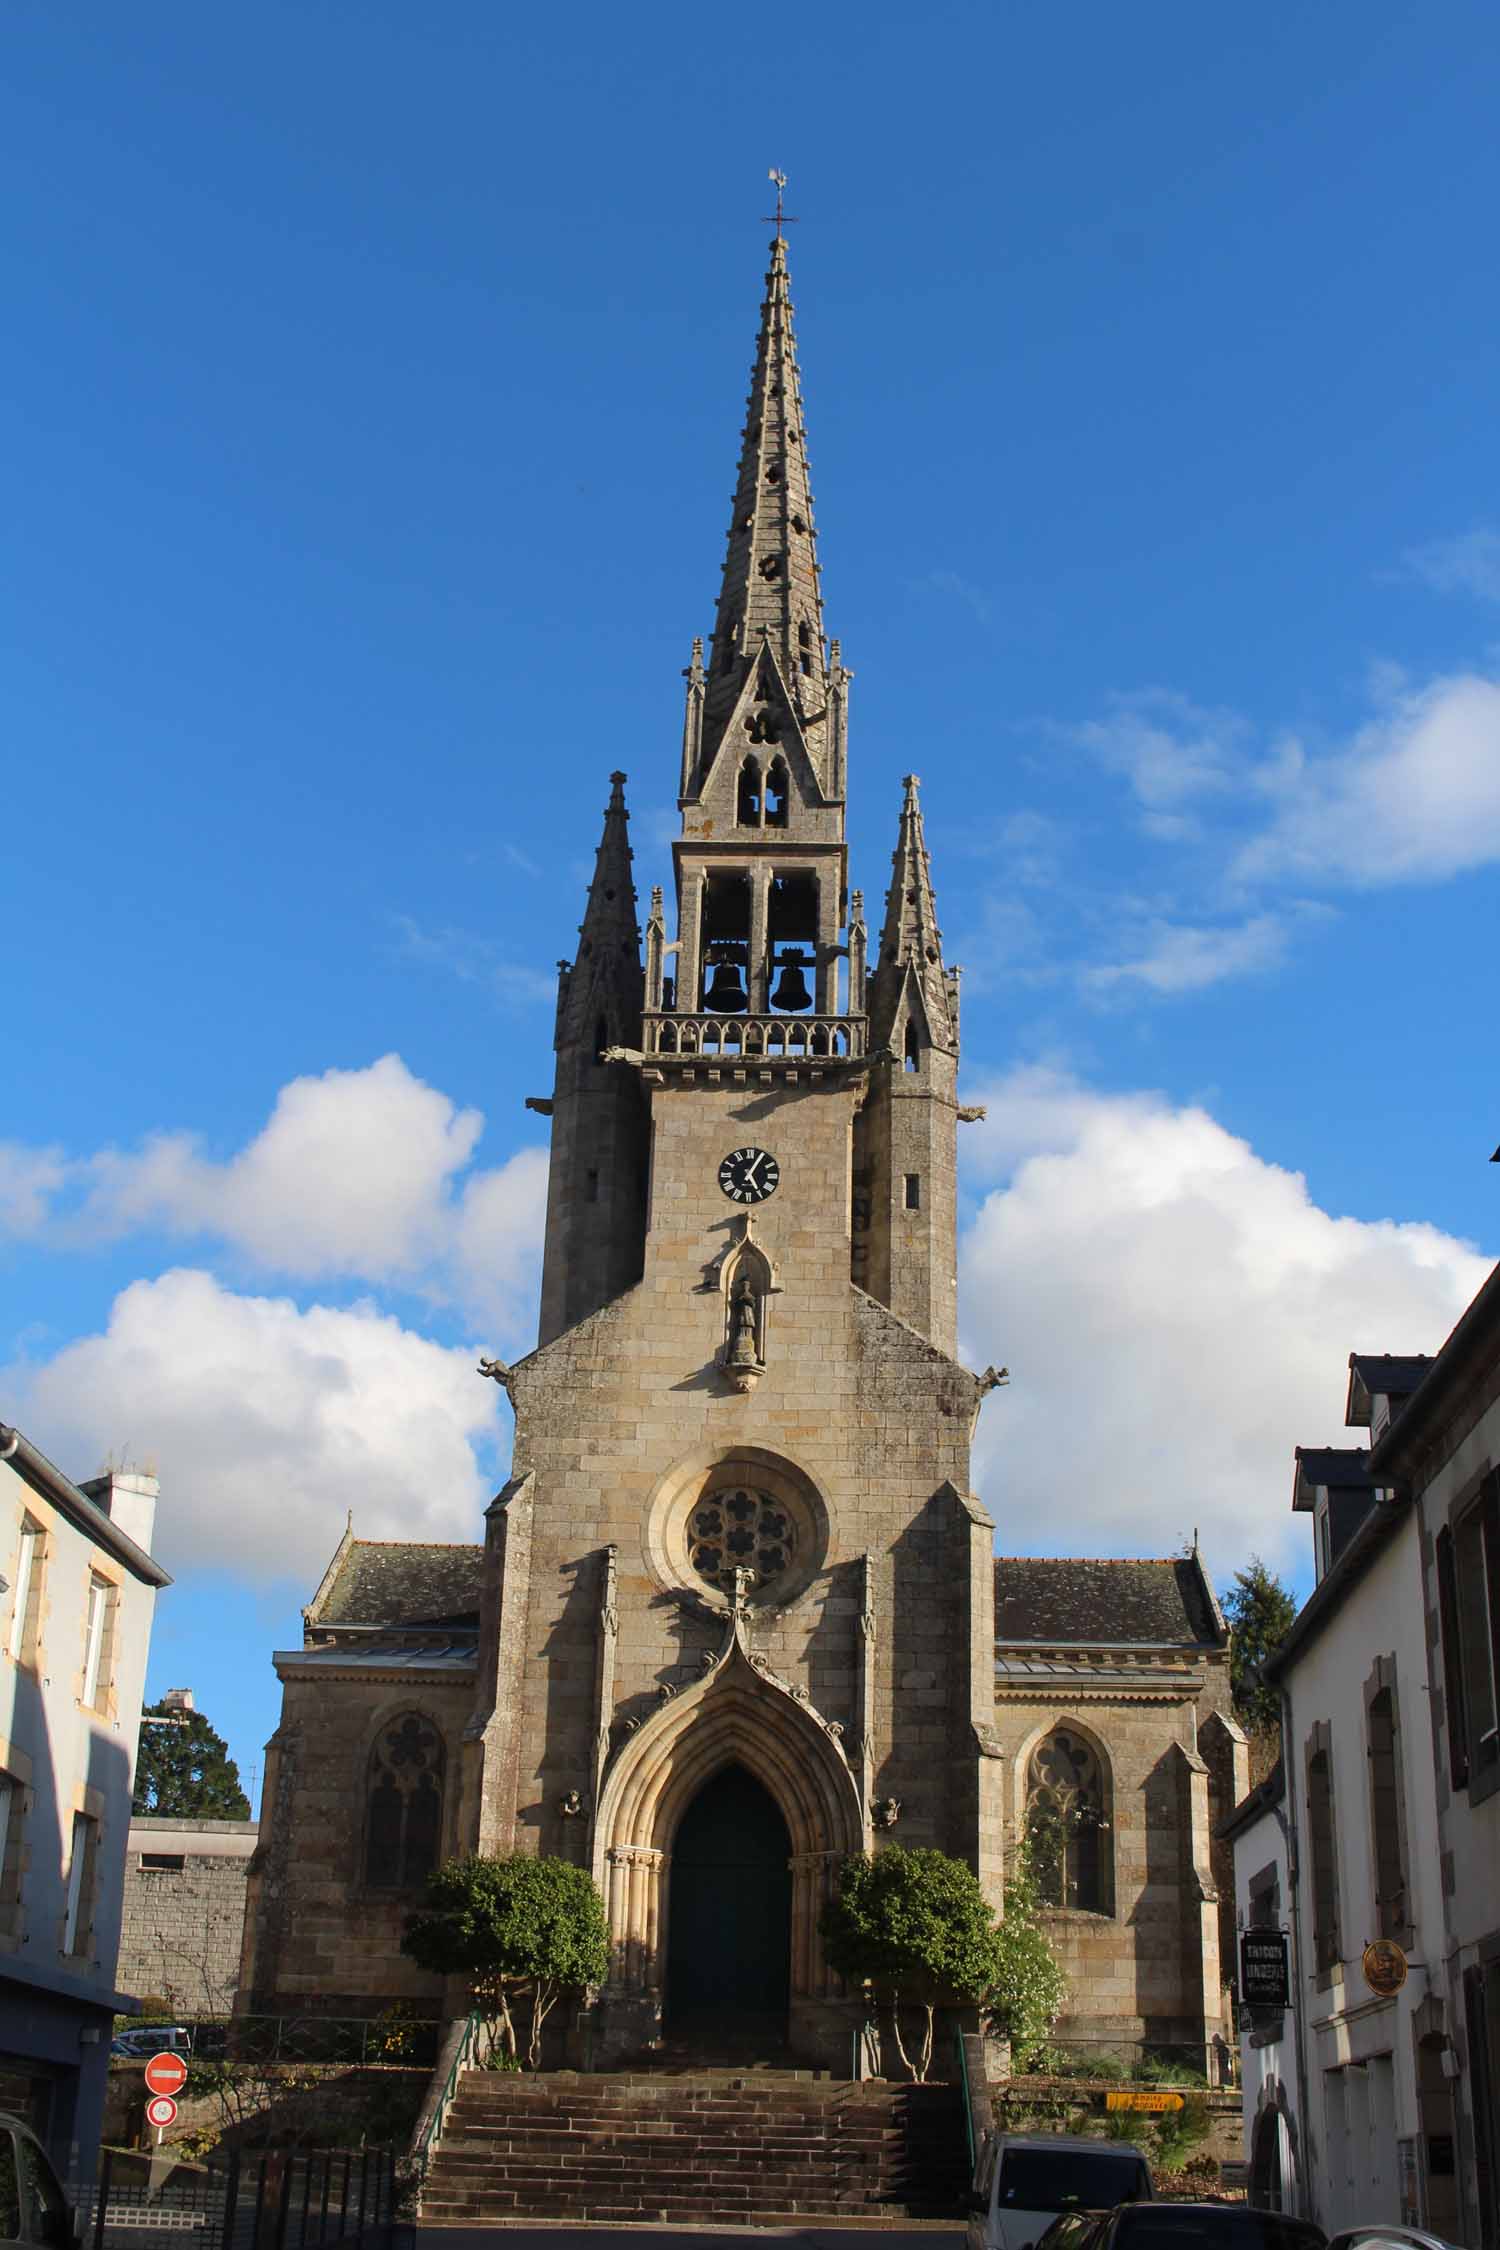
x: 266, y: 1422
x: 474, y: 960
x: 1169, y: 749
x: 1413, y: 797
x: 30, y: 1178
x: 357, y: 1174
x: 1177, y: 1314
x: 1468, y: 564
x: 1179, y: 957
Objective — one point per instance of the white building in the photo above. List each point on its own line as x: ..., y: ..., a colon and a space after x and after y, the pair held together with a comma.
x: 1348, y: 2100
x: 75, y: 1614
x: 1444, y: 1452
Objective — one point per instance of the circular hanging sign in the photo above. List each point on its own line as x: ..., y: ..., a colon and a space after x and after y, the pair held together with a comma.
x: 166, y: 2073
x: 161, y: 2110
x: 1384, y: 1965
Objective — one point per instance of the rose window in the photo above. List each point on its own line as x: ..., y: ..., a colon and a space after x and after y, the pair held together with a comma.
x: 740, y: 1529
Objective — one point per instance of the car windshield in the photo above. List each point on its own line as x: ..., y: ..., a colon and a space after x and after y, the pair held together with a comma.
x: 1045, y: 2179
x: 1224, y: 2228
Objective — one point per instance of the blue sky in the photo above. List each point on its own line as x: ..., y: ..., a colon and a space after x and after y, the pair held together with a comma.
x: 371, y: 396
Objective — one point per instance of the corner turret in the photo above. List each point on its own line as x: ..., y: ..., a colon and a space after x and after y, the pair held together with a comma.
x: 906, y: 1252
x: 596, y: 1193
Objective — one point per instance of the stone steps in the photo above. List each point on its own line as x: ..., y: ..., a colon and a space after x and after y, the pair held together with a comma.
x: 695, y: 2147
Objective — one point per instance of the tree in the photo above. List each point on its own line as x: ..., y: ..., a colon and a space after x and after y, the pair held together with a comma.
x: 917, y: 1927
x: 1260, y: 1611
x: 1026, y: 1997
x: 183, y: 1770
x: 515, y: 1928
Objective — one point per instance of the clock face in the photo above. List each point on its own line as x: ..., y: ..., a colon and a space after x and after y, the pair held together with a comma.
x: 749, y: 1175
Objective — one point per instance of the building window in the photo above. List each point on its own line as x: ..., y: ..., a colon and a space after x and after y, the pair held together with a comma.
x: 98, y: 1639
x: 404, y: 1822
x: 1454, y: 1711
x: 1322, y: 1857
x: 12, y: 1815
x: 1482, y: 2035
x: 1476, y: 1581
x: 78, y: 1920
x: 1387, y: 1801
x: 26, y: 1608
x: 911, y: 1049
x: 163, y: 1863
x: 1067, y: 1824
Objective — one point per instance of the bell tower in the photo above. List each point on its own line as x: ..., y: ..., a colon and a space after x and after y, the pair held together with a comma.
x: 761, y: 863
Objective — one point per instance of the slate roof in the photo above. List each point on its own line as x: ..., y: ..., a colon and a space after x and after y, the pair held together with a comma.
x: 1105, y: 1604
x: 1390, y: 1374
x: 1372, y: 1375
x: 399, y: 1582
x: 381, y: 1652
x: 1342, y: 1468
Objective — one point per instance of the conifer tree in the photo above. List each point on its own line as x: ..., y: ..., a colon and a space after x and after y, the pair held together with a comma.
x: 183, y: 1770
x: 1259, y: 1610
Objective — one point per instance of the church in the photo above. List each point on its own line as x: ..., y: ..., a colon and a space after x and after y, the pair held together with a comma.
x: 736, y: 1613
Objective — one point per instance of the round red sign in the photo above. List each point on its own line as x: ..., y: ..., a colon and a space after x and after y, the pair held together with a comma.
x: 166, y: 2074
x: 161, y: 2111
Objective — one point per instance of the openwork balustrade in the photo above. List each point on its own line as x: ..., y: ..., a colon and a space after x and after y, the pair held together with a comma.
x: 758, y: 1039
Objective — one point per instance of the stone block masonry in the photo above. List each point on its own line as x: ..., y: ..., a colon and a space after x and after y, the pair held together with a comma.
x: 184, y: 1913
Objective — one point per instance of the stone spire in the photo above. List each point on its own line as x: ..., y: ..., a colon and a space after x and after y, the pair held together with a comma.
x: 911, y: 944
x: 605, y: 978
x: 770, y: 595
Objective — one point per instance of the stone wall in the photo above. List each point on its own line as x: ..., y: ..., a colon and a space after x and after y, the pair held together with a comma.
x: 184, y: 1912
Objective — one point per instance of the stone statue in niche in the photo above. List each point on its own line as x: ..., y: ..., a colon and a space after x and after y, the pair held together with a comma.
x: 742, y: 1361
x: 747, y: 1283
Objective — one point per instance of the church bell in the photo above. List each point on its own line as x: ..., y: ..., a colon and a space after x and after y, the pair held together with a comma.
x: 791, y: 991
x: 725, y: 995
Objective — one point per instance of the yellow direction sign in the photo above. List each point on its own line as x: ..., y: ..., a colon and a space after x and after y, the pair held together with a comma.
x: 1128, y: 2098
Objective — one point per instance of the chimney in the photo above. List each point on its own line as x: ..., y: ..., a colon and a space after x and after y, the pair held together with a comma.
x: 128, y: 1498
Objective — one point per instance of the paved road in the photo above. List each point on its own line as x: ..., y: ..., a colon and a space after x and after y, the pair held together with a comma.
x: 527, y: 2235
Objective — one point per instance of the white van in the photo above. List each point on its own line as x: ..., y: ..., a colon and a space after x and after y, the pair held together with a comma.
x: 1025, y: 2180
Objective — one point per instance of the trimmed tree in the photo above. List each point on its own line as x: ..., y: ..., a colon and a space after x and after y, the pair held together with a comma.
x: 1026, y: 1998
x: 183, y: 1770
x: 521, y: 1930
x: 917, y: 1928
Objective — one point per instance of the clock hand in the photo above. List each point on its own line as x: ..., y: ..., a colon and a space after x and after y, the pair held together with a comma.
x: 753, y: 1167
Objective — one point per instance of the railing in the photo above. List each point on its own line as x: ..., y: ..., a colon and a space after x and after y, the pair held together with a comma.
x: 271, y: 2199
x: 435, y: 2113
x: 757, y: 1039
x: 392, y: 2038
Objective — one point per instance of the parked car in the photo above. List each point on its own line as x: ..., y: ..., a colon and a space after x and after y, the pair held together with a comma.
x: 1388, y: 2238
x: 34, y: 2212
x: 1026, y: 2180
x: 140, y: 2041
x: 1201, y: 2226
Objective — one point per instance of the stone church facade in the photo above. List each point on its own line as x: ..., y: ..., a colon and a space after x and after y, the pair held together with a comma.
x: 734, y: 1613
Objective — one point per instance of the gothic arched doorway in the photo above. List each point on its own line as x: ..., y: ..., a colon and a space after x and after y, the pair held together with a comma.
x: 729, y: 1916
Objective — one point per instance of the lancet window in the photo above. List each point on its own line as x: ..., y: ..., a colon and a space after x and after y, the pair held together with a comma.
x: 404, y: 1804
x: 1067, y: 1823
x: 747, y: 804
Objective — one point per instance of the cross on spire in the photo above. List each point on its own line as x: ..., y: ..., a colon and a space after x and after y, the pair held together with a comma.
x: 781, y: 219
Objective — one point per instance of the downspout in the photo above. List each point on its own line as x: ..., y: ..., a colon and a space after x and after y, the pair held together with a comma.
x: 1286, y: 1818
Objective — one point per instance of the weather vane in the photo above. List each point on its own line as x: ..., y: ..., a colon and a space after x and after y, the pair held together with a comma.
x: 781, y: 219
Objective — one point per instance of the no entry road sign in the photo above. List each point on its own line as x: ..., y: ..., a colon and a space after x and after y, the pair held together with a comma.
x: 161, y: 2111
x: 166, y: 2074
